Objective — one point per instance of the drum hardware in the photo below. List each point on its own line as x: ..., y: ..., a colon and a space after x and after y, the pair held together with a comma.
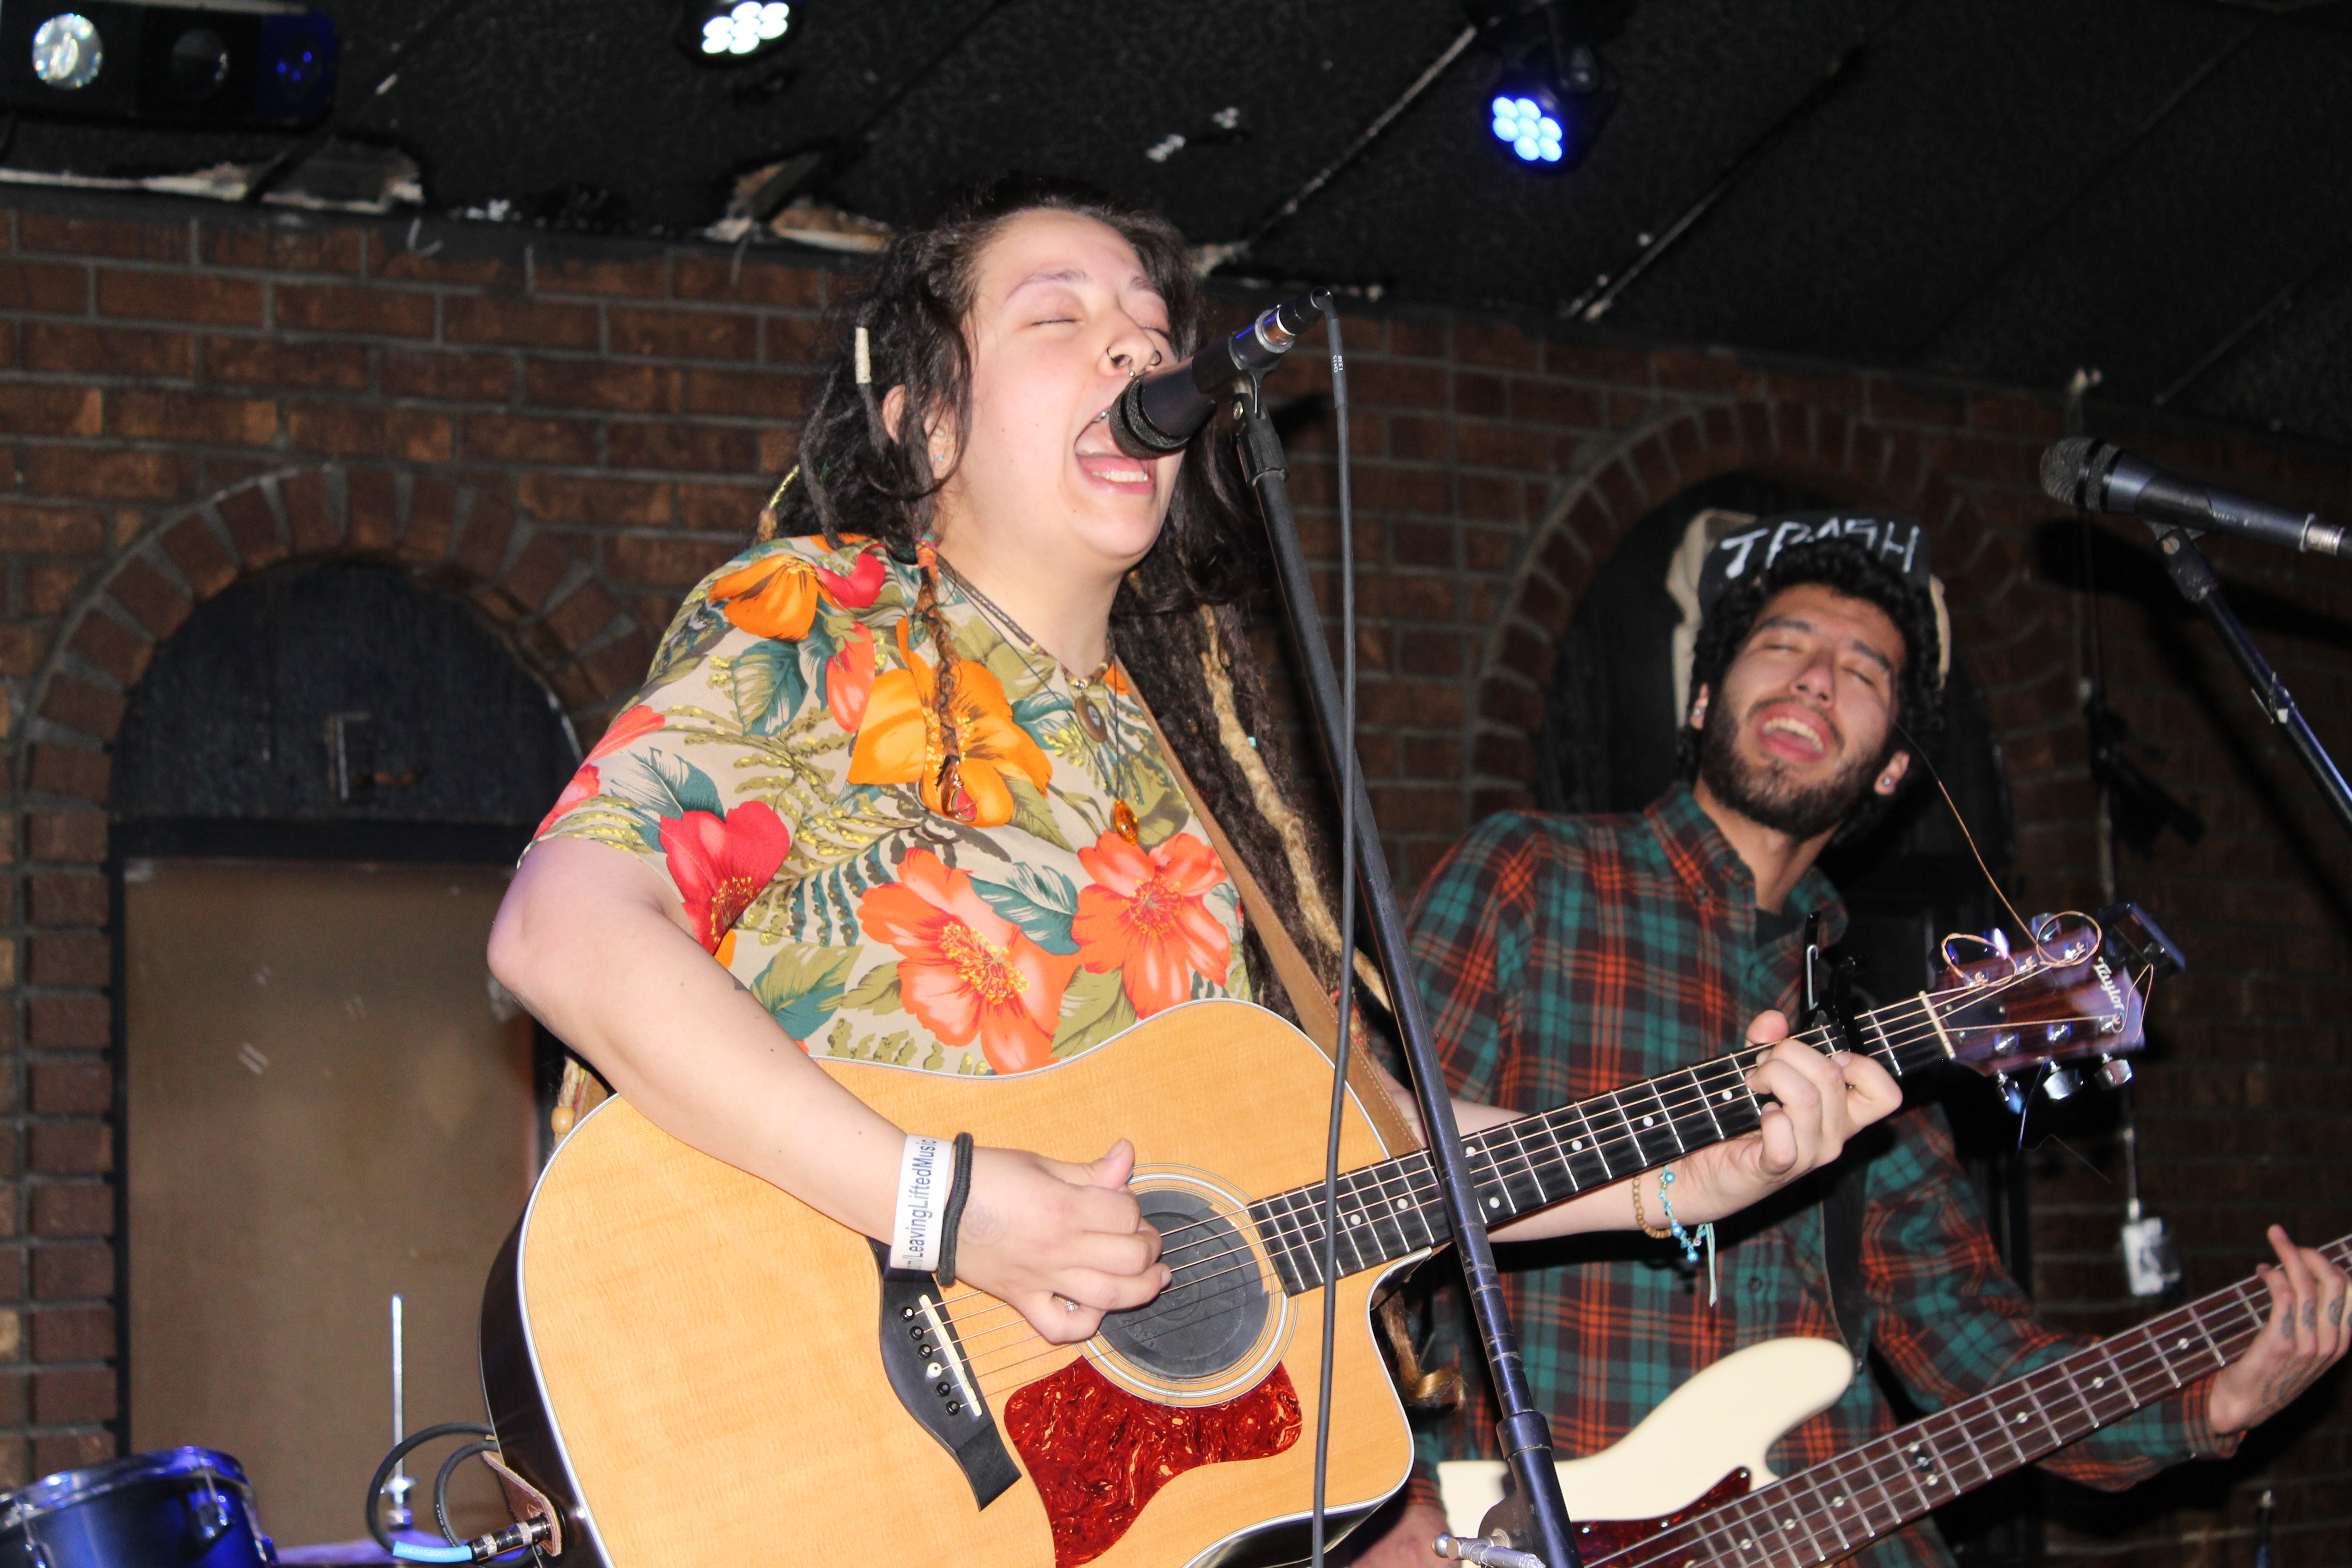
x: 177, y: 1508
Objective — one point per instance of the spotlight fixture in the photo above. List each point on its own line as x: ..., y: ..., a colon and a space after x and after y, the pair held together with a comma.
x: 253, y: 64
x: 732, y: 32
x: 1554, y: 91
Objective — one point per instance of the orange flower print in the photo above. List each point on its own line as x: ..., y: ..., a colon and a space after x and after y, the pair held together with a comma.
x: 1144, y: 916
x: 964, y: 971
x: 776, y: 595
x: 849, y: 679
x: 900, y: 741
x: 638, y: 720
x: 585, y: 783
x: 721, y: 864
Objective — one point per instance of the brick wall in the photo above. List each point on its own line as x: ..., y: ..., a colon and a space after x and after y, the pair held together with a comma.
x: 571, y: 434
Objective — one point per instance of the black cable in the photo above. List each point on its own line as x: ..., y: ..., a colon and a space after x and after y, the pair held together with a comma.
x: 1344, y: 1002
x: 400, y: 1451
x: 457, y: 1456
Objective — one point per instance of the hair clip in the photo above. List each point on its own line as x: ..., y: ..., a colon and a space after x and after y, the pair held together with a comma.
x: 864, y: 360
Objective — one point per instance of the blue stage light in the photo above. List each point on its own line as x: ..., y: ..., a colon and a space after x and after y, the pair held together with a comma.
x: 1552, y: 90
x: 1529, y: 129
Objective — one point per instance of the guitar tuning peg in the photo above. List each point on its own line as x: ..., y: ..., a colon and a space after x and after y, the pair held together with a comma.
x: 1997, y: 940
x: 2062, y: 1083
x: 2012, y: 1095
x: 2114, y: 1072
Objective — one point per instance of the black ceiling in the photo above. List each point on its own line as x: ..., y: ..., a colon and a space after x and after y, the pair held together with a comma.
x: 2159, y: 189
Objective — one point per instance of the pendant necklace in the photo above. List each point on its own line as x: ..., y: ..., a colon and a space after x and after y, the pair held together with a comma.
x: 1102, y: 725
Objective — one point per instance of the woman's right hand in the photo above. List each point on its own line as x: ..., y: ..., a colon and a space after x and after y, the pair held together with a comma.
x: 1061, y: 1244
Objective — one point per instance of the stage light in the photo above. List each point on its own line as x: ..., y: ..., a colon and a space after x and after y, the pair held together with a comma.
x: 1553, y: 92
x: 222, y: 65
x: 68, y: 52
x: 730, y: 32
x: 1529, y: 126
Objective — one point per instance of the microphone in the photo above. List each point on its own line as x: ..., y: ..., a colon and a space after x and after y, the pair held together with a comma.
x: 1158, y: 413
x: 2099, y: 477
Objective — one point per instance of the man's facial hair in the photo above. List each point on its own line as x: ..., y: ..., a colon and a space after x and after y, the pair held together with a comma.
x: 1765, y: 796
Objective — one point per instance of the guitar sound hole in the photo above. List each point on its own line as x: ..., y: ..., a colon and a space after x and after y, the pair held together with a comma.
x: 1212, y: 1313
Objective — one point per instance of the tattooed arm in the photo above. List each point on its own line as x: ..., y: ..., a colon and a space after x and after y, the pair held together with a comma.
x: 2305, y: 1336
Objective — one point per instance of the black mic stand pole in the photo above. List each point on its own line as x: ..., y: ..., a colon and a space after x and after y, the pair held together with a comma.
x: 2193, y: 576
x: 1525, y: 1437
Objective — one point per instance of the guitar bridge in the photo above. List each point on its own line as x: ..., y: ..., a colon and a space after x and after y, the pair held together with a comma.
x: 924, y: 1359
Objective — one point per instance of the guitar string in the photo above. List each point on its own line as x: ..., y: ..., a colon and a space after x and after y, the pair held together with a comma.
x: 1910, y: 1032
x: 1893, y: 1042
x: 1986, y: 1415
x: 2235, y: 1314
x: 1420, y: 1189
x: 1509, y: 1158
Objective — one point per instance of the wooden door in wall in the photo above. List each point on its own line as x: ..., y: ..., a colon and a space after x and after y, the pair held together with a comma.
x: 324, y: 1104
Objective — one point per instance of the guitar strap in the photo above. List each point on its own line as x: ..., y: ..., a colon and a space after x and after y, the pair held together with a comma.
x: 1319, y: 1016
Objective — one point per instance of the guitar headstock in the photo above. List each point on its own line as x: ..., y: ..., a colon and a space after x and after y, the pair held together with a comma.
x: 2078, y: 991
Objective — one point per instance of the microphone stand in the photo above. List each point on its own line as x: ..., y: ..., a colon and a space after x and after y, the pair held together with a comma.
x: 1525, y: 1437
x: 2193, y: 576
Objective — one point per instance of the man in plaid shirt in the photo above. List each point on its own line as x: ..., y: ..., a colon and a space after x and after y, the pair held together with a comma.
x: 1564, y: 957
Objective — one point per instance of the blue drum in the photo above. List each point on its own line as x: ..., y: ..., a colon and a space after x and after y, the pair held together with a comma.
x: 180, y: 1508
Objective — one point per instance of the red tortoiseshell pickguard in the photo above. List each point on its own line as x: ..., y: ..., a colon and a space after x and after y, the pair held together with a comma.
x: 1098, y: 1453
x: 1604, y: 1538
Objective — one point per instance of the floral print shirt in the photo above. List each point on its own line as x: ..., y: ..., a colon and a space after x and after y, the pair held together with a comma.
x: 781, y: 767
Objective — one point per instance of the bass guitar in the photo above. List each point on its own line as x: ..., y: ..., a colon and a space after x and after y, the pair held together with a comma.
x: 684, y: 1364
x: 1706, y: 1515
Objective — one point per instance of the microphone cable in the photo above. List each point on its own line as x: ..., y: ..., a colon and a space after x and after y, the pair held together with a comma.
x: 1344, y: 1001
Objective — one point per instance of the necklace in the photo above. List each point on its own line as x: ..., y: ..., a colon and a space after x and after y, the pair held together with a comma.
x: 1103, y: 731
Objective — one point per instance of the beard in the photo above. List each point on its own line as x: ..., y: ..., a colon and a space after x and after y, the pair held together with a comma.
x: 1766, y: 795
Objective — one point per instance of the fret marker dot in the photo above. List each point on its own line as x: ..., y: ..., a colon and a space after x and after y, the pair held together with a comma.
x: 1493, y: 1203
x: 1579, y: 1144
x: 2021, y: 1418
x: 1649, y: 1122
x: 1400, y: 1205
x: 2182, y: 1345
x: 2098, y: 1383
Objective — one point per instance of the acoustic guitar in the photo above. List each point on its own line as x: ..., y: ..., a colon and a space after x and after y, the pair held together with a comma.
x: 1688, y: 1488
x: 686, y: 1365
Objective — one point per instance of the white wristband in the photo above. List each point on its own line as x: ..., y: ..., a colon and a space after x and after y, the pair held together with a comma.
x: 926, y: 1174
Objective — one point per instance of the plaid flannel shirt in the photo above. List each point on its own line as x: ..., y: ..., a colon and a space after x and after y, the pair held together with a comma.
x: 1564, y: 957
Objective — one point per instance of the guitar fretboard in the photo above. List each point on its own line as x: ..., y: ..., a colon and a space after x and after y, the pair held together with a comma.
x: 1388, y: 1210
x: 1840, y: 1506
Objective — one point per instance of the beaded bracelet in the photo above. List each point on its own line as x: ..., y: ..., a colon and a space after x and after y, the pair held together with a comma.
x: 1642, y: 1221
x: 1690, y: 1241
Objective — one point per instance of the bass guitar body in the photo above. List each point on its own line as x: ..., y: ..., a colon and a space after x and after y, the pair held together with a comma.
x: 1702, y: 1447
x: 693, y: 1367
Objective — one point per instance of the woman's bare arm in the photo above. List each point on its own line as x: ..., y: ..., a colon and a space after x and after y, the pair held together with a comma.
x: 596, y: 943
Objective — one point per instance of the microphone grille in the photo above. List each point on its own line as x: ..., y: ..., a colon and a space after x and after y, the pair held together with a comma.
x: 2063, y: 469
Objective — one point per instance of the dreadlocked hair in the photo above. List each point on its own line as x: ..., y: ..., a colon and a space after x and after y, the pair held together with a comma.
x: 1853, y: 573
x: 1174, y: 624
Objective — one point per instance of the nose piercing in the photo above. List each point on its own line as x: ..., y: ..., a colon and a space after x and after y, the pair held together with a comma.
x: 1103, y: 415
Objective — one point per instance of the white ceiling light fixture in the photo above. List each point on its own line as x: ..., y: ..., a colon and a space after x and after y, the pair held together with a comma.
x: 733, y: 32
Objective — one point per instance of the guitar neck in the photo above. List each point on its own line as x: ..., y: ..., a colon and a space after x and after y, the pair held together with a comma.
x: 1844, y: 1504
x: 1394, y: 1208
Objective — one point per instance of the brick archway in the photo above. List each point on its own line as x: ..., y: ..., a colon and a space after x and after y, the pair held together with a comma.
x: 2016, y: 648
x: 458, y: 535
